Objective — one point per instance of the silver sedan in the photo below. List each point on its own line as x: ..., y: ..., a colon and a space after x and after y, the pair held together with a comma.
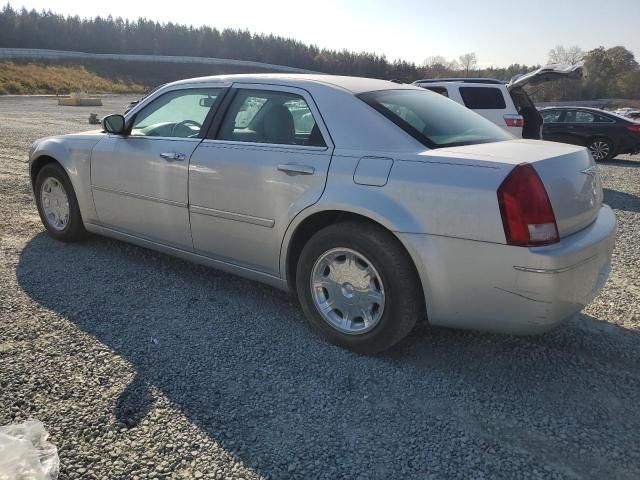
x: 378, y: 203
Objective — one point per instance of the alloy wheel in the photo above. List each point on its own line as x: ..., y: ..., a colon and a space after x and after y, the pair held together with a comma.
x: 55, y: 203
x: 347, y: 291
x: 600, y: 150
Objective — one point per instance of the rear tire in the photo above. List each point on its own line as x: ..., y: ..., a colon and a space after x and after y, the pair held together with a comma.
x: 57, y: 204
x: 602, y: 149
x: 373, y: 296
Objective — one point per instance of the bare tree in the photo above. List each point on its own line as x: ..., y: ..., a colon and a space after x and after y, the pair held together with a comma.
x: 437, y: 66
x: 566, y: 56
x: 468, y: 62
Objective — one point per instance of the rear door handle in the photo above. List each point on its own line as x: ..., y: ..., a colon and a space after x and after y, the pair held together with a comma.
x: 295, y: 169
x: 173, y: 156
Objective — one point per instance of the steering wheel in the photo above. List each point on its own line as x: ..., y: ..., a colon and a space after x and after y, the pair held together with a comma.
x: 186, y: 124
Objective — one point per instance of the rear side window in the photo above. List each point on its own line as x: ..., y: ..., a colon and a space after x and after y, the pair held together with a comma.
x: 433, y: 120
x: 263, y: 116
x: 581, y: 116
x: 483, y: 98
x: 440, y: 90
x: 602, y: 119
x: 585, y: 117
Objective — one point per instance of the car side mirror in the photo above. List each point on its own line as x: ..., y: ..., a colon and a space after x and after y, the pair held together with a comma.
x: 114, y: 124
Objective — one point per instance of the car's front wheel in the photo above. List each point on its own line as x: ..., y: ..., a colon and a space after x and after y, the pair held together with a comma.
x: 57, y: 204
x: 601, y: 149
x: 358, y: 287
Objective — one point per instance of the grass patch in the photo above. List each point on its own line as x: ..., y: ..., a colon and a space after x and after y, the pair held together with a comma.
x: 32, y: 78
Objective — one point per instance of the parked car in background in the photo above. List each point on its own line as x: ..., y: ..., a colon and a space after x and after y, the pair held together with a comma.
x: 377, y: 203
x: 628, y: 112
x: 506, y: 104
x: 604, y: 133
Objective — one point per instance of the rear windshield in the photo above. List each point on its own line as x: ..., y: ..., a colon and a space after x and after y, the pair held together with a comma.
x: 432, y: 119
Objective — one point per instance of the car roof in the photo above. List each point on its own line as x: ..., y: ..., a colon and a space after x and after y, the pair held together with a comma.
x: 569, y: 107
x: 490, y: 81
x: 354, y: 85
x: 599, y: 111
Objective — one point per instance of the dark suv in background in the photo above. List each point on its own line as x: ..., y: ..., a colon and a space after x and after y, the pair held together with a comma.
x: 605, y: 134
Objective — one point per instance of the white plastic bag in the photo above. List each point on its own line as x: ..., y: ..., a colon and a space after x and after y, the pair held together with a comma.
x: 25, y: 453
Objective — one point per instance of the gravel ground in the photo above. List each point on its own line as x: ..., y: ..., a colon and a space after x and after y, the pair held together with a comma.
x: 144, y: 366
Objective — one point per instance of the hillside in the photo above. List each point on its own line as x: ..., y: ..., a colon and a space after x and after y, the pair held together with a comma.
x: 30, y: 78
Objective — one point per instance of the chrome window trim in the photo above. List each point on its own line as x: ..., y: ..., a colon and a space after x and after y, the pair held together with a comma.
x: 143, y: 137
x: 259, y: 145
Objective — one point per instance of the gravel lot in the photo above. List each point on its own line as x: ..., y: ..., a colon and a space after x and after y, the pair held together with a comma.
x: 144, y: 366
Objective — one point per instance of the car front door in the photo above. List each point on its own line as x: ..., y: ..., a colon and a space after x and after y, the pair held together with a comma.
x: 263, y: 162
x: 140, y: 180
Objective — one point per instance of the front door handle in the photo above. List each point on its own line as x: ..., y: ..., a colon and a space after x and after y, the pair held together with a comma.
x: 173, y: 156
x: 295, y: 169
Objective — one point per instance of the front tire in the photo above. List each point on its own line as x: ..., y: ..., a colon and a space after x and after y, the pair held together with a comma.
x: 358, y: 287
x: 57, y: 204
x: 602, y: 149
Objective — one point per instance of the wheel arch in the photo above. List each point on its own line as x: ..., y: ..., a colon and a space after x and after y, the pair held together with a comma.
x: 593, y: 138
x: 304, y: 227
x: 37, y: 164
x: 74, y: 156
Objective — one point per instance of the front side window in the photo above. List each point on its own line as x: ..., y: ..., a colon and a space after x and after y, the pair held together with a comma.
x: 434, y: 120
x: 176, y: 114
x: 264, y: 116
x: 483, y: 98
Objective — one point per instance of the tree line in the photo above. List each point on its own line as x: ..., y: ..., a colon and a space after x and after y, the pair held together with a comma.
x: 612, y: 72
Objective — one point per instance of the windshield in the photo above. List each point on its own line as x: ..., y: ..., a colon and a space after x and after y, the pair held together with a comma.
x: 434, y: 120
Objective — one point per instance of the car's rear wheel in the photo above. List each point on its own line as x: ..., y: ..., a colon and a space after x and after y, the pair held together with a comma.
x: 601, y: 149
x: 57, y: 204
x: 358, y: 287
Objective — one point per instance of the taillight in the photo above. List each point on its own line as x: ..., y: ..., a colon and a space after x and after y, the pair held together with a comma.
x: 514, y: 120
x: 633, y: 128
x: 527, y: 215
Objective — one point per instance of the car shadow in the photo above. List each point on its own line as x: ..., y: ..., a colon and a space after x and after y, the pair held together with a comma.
x: 623, y: 162
x: 621, y: 201
x: 237, y: 358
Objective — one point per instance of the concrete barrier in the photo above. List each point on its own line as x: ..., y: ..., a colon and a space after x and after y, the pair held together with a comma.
x: 44, y: 54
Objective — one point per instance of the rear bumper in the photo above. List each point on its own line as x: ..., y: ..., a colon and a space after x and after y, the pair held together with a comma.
x: 515, y: 131
x: 515, y: 290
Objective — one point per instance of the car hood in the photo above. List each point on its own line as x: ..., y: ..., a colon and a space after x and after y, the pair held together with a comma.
x: 548, y: 73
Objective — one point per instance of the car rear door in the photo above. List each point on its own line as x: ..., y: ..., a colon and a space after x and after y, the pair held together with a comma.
x: 265, y: 159
x: 139, y: 181
x: 579, y: 127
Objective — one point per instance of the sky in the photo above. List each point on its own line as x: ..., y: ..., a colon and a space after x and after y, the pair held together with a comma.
x: 499, y: 32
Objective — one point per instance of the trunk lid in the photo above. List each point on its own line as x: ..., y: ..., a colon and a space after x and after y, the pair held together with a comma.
x: 548, y: 73
x: 568, y: 172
